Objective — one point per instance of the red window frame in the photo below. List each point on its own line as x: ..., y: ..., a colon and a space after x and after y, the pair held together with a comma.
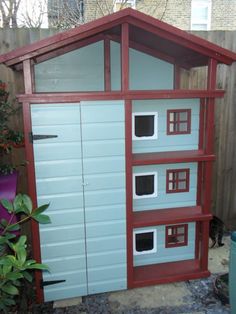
x: 177, y: 121
x: 175, y: 234
x: 176, y: 180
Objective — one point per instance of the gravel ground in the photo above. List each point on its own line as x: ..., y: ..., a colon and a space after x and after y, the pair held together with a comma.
x: 200, y: 300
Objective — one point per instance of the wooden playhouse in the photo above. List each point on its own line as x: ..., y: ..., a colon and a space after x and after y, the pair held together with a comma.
x: 121, y: 152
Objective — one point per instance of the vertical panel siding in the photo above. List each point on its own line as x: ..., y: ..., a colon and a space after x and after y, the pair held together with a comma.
x: 164, y: 254
x: 158, y: 74
x: 166, y: 142
x: 59, y: 181
x: 104, y: 192
x: 79, y: 70
x: 163, y: 199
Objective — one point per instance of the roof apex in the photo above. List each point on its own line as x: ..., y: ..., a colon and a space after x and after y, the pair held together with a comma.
x: 128, y: 15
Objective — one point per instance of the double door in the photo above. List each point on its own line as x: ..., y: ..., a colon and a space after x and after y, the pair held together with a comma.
x: 80, y: 171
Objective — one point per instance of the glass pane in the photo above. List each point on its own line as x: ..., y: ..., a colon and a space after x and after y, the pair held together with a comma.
x: 182, y: 185
x: 180, y: 239
x: 199, y: 27
x: 171, y: 115
x: 183, y: 127
x: 170, y: 176
x: 200, y: 13
x: 144, y: 125
x: 182, y: 175
x: 144, y: 241
x: 173, y: 239
x: 181, y: 229
x: 171, y: 127
x: 169, y: 231
x: 144, y: 185
x: 183, y: 116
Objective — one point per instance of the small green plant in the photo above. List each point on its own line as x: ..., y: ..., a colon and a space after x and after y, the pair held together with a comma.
x: 9, y: 137
x: 14, y: 263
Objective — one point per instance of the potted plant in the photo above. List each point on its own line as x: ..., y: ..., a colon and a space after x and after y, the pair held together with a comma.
x: 9, y: 138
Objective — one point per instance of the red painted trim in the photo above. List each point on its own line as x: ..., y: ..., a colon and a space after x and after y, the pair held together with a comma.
x: 197, y: 239
x: 207, y: 178
x: 32, y: 192
x: 201, y: 123
x: 177, y: 76
x: 169, y: 216
x: 176, y: 180
x: 107, y: 64
x: 176, y: 122
x: 131, y: 95
x: 139, y: 19
x: 204, y: 246
x: 124, y: 57
x: 27, y: 76
x: 199, y: 183
x: 175, y: 234
x: 170, y: 157
x: 167, y: 272
x: 129, y: 190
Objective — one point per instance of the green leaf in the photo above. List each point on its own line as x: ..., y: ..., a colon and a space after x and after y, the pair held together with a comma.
x: 14, y: 276
x: 13, y: 227
x: 40, y: 209
x: 27, y: 202
x: 4, y: 222
x: 38, y: 266
x: 10, y: 289
x: 27, y: 276
x: 22, y: 240
x: 9, y: 302
x: 8, y: 205
x: 43, y: 219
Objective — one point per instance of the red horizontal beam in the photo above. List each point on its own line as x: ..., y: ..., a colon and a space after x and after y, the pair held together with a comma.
x: 172, y: 156
x: 129, y: 95
x: 167, y: 272
x: 169, y: 216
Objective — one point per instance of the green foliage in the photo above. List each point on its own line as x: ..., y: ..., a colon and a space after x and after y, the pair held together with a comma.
x: 9, y: 138
x: 14, y: 265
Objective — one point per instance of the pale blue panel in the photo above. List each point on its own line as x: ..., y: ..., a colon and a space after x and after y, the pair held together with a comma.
x: 104, y: 164
x: 54, y: 114
x: 166, y: 142
x: 58, y: 168
x: 147, y: 72
x: 111, y: 243
x: 163, y: 199
x: 115, y: 66
x: 61, y: 201
x: 74, y: 279
x: 57, y: 250
x: 163, y: 254
x: 59, y: 185
x: 79, y: 70
x: 57, y: 151
x: 104, y: 191
x: 61, y: 233
x: 65, y: 292
x: 105, y: 213
x: 109, y: 285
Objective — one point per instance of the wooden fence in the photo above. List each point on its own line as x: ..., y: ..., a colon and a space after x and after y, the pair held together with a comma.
x: 224, y: 181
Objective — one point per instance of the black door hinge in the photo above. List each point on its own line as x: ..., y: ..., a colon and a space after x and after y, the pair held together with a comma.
x: 50, y: 282
x: 36, y: 137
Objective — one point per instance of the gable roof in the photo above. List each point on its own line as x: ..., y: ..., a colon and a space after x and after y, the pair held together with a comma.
x: 145, y: 31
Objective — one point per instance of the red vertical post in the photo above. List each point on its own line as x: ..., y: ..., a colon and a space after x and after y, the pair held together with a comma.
x: 176, y: 76
x: 204, y: 246
x: 129, y: 191
x: 32, y: 192
x: 27, y: 76
x: 125, y: 57
x: 107, y: 64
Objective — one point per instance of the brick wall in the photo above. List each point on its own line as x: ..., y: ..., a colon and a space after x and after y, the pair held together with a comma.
x: 174, y: 12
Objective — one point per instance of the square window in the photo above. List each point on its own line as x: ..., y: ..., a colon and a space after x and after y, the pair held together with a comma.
x: 178, y: 121
x: 176, y: 235
x: 177, y: 180
x: 144, y: 242
x: 144, y: 125
x: 144, y: 185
